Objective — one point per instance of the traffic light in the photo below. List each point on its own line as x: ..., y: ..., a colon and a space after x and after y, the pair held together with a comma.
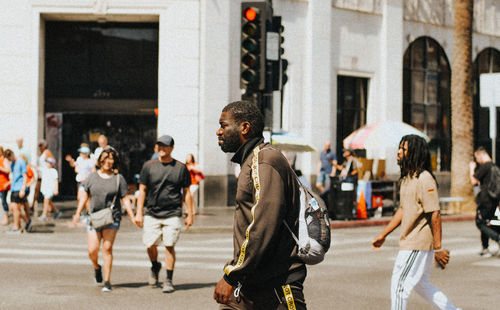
x: 277, y: 74
x: 253, y: 45
x: 284, y: 77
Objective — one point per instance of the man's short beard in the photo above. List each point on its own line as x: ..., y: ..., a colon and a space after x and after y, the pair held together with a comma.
x: 231, y: 143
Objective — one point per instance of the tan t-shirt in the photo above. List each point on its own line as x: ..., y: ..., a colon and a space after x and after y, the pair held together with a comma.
x: 419, y: 199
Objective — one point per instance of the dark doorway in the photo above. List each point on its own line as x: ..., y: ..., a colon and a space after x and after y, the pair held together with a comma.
x: 103, y: 79
x: 133, y: 136
x: 351, y: 106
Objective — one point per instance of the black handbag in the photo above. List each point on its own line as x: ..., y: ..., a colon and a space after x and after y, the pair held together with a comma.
x: 104, y: 216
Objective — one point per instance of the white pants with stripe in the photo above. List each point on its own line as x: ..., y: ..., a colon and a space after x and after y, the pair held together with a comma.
x: 412, y: 271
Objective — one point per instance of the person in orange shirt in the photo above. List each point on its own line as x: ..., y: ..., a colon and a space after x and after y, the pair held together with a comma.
x: 4, y: 185
x: 196, y: 177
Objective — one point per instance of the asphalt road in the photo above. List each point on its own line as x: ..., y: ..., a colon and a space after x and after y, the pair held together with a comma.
x: 49, y: 269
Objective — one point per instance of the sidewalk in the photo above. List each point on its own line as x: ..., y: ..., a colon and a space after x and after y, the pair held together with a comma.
x: 220, y: 219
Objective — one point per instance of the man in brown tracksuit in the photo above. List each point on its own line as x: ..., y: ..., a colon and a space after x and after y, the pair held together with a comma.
x: 264, y: 273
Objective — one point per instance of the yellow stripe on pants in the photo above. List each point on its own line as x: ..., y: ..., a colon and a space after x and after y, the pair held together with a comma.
x: 290, y: 303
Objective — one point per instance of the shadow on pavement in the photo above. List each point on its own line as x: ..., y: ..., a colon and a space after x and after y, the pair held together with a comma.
x: 178, y: 287
x: 42, y: 228
x: 193, y: 286
x: 132, y: 285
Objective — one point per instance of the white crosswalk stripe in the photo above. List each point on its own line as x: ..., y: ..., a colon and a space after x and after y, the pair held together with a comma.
x: 351, y: 252
x: 212, y: 254
x: 206, y: 254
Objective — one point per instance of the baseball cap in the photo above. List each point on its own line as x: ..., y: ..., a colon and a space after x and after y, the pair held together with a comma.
x: 50, y: 160
x: 166, y: 140
x: 84, y: 149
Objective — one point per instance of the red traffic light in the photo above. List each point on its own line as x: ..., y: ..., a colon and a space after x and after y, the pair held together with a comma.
x: 250, y: 14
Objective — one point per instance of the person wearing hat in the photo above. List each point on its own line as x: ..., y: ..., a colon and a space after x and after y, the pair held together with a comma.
x: 163, y: 188
x: 49, y: 188
x: 83, y: 165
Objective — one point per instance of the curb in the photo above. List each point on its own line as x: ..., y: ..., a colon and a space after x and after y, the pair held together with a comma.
x: 380, y: 222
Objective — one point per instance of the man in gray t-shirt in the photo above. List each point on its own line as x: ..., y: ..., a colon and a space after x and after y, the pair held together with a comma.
x: 163, y: 187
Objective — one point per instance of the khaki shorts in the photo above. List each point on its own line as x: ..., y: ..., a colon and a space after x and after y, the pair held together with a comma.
x: 157, y: 230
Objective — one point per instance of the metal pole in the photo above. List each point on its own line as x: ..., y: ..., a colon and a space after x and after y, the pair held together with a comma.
x: 494, y: 149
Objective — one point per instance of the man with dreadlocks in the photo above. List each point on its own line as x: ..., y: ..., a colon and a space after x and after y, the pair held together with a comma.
x: 420, y: 220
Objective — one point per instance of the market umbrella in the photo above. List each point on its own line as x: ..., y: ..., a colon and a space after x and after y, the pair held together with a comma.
x: 379, y: 136
x: 290, y: 142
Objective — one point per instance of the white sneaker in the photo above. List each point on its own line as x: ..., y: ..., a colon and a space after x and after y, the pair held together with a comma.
x: 106, y: 287
x: 485, y: 253
x: 168, y: 287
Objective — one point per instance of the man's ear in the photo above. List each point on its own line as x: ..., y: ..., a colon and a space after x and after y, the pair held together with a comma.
x: 245, y: 128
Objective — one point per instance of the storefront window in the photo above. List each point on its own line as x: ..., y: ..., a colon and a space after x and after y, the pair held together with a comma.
x: 488, y: 61
x: 426, y: 96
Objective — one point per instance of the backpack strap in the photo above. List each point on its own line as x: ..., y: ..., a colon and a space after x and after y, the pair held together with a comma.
x: 117, y: 190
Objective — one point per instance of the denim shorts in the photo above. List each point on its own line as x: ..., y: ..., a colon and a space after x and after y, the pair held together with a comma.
x: 114, y: 226
x: 323, y: 178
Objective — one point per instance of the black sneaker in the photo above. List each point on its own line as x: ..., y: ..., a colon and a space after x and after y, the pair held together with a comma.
x: 153, y: 277
x: 28, y: 226
x: 98, y: 275
x: 106, y: 287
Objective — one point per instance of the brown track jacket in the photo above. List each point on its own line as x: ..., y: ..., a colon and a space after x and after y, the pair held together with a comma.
x: 263, y: 247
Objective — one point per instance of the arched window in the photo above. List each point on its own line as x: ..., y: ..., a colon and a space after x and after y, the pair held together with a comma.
x: 426, y: 97
x: 488, y: 61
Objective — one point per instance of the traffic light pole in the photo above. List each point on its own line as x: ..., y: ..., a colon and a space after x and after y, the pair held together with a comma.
x: 261, y: 63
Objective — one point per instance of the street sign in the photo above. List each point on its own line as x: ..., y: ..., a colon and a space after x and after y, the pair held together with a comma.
x: 489, y: 89
x: 489, y: 94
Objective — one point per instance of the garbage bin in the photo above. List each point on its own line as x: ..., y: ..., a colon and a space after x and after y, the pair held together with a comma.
x: 341, y: 199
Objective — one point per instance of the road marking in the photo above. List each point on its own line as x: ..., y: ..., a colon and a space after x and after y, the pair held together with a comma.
x: 493, y: 262
x: 116, y: 262
x: 142, y: 248
x: 142, y: 254
x: 191, y: 254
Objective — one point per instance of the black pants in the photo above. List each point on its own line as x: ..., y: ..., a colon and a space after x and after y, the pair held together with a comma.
x: 280, y: 298
x: 483, y: 216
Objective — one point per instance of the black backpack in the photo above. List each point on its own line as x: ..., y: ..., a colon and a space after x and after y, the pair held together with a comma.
x: 494, y: 185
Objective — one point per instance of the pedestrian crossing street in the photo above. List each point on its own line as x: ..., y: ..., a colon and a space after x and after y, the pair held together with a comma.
x: 211, y: 251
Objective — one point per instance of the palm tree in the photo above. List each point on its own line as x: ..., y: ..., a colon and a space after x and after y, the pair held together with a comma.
x: 461, y: 103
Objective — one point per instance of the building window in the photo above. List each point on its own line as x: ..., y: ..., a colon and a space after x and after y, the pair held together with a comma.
x: 426, y: 97
x: 351, y: 106
x: 488, y: 61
